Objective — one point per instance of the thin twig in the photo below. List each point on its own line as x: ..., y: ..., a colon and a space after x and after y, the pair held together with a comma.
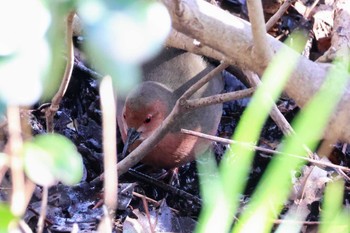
x: 311, y: 8
x: 29, y: 190
x: 56, y: 100
x: 148, y: 215
x: 220, y: 98
x: 273, y: 20
x: 195, y: 87
x: 276, y: 114
x: 109, y: 144
x: 257, y: 148
x: 43, y: 208
x: 154, y: 202
x: 295, y: 222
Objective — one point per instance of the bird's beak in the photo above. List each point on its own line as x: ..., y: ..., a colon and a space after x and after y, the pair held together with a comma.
x: 131, y: 136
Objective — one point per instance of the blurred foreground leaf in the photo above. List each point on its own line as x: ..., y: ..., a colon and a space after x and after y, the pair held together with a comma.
x: 6, y: 217
x: 123, y: 34
x: 334, y: 217
x: 51, y: 158
x: 24, y: 52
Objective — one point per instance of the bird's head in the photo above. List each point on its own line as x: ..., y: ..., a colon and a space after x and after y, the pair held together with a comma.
x: 144, y: 111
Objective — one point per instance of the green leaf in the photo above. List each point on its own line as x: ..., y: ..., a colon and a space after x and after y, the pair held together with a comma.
x: 133, y: 32
x: 6, y: 217
x: 51, y: 158
x: 334, y: 217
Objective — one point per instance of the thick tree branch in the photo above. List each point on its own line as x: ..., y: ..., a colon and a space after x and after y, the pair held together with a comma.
x: 204, y: 22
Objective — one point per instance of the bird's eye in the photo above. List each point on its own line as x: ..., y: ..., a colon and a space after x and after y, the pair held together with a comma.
x: 124, y: 116
x: 148, y: 119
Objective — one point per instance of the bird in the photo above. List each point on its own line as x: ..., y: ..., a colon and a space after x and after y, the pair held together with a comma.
x: 165, y: 79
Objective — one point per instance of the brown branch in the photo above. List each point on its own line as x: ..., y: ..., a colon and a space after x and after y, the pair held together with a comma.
x: 195, y: 87
x: 220, y: 98
x: 273, y: 20
x: 56, y: 100
x: 257, y: 148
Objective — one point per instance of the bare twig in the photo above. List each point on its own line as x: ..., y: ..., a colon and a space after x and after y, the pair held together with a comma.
x: 43, y: 208
x: 275, y: 113
x: 154, y: 202
x: 311, y: 8
x: 195, y: 87
x: 295, y: 222
x: 261, y: 46
x: 220, y: 98
x: 15, y: 144
x: 273, y: 20
x: 29, y: 190
x: 109, y: 144
x: 249, y: 145
x: 153, y: 225
x: 56, y: 100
